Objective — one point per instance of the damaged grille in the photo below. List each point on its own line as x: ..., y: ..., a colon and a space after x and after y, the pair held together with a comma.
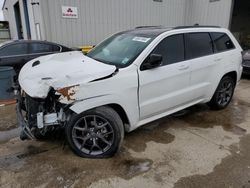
x: 33, y: 106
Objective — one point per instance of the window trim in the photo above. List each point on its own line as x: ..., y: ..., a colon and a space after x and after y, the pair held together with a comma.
x: 11, y: 44
x: 217, y: 52
x: 213, y: 46
x: 30, y: 54
x: 149, y: 51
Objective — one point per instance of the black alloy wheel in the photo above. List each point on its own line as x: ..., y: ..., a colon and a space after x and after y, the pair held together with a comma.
x: 223, y: 94
x: 97, y: 133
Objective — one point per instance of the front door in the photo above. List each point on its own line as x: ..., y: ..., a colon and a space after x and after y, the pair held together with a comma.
x: 166, y: 87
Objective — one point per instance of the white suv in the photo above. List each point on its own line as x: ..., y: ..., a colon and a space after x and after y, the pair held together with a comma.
x: 130, y: 79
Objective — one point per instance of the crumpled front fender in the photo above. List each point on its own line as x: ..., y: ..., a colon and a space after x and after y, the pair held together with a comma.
x: 102, y: 100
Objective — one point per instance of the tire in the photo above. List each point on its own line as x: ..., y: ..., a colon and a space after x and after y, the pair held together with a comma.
x: 223, y: 94
x: 97, y: 133
x: 49, y: 133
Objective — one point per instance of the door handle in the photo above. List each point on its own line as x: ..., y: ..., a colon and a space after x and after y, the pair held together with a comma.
x: 183, y: 67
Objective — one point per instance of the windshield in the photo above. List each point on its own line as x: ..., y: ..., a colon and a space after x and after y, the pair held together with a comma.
x: 120, y: 49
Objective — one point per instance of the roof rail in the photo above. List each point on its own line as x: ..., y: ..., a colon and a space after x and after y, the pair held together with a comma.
x: 196, y: 26
x: 148, y: 26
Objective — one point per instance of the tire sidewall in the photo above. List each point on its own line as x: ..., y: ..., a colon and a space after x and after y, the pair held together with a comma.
x: 114, y: 122
x: 215, y: 98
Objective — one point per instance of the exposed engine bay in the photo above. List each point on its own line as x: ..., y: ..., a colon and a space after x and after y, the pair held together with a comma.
x: 39, y: 116
x: 47, y: 94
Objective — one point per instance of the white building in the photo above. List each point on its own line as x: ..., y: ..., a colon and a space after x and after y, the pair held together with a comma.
x: 87, y: 22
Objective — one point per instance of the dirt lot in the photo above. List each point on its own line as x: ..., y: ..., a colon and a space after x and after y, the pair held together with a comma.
x: 198, y: 148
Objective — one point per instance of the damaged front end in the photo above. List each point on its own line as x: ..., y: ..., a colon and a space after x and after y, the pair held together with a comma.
x: 38, y: 116
x: 50, y: 85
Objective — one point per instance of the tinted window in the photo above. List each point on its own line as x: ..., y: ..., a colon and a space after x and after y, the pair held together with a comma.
x: 171, y: 49
x: 40, y: 48
x: 55, y: 48
x: 221, y: 42
x: 197, y: 45
x: 14, y: 49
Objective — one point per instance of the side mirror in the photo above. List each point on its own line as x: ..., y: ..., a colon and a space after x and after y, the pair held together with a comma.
x: 153, y: 61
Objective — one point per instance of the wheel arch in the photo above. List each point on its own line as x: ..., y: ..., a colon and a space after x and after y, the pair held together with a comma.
x: 213, y: 102
x: 232, y: 74
x: 127, y: 114
x: 122, y: 113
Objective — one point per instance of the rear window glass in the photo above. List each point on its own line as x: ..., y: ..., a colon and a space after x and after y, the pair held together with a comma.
x: 42, y: 48
x: 198, y: 45
x: 14, y: 49
x: 39, y: 48
x: 55, y: 48
x: 221, y: 42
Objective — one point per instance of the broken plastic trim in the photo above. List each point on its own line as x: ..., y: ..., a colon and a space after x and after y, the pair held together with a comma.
x: 25, y: 129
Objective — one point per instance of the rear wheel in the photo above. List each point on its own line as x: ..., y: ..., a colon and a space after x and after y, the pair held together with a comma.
x: 223, y: 94
x: 96, y: 133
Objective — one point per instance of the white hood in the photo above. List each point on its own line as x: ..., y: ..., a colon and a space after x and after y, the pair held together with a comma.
x: 59, y: 71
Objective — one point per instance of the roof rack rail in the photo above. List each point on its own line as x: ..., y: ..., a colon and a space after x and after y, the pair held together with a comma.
x: 148, y: 26
x: 196, y: 26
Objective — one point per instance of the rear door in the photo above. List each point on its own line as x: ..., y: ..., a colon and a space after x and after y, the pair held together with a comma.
x: 164, y: 88
x: 14, y: 55
x: 226, y: 55
x: 203, y: 64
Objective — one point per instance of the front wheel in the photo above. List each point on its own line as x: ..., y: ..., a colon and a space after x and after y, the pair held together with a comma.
x: 223, y: 94
x: 96, y: 133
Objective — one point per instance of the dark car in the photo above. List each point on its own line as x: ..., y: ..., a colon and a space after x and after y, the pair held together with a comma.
x: 17, y: 53
x: 246, y: 62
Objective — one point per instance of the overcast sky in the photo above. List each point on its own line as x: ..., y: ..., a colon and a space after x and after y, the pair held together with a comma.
x: 1, y: 13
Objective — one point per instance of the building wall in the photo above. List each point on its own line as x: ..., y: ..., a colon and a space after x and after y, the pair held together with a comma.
x: 207, y: 12
x: 99, y: 19
x: 39, y: 25
x: 32, y: 18
x: 9, y: 15
x: 4, y: 34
